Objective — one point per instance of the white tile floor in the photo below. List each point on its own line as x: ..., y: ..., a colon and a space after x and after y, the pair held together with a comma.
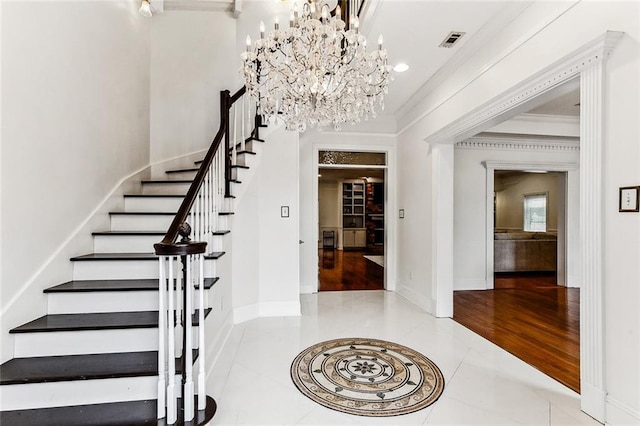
x: 484, y: 384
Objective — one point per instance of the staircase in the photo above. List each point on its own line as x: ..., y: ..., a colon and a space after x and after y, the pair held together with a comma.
x: 93, y: 359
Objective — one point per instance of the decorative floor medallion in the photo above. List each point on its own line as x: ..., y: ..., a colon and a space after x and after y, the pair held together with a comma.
x: 367, y: 377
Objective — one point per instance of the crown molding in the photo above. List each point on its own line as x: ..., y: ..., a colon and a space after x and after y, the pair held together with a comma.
x: 539, y: 84
x: 530, y: 165
x: 520, y: 143
x: 471, y: 46
x: 201, y: 5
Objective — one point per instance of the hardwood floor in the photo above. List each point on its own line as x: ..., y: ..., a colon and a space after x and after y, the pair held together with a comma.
x: 348, y: 270
x: 530, y: 317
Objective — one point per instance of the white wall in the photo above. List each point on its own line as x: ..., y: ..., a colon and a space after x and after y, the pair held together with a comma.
x: 75, y: 116
x: 510, y: 191
x: 193, y: 58
x: 470, y: 201
x: 265, y: 246
x: 310, y: 143
x: 414, y: 231
x: 535, y: 40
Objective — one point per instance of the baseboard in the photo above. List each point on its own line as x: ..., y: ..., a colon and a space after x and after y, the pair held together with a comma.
x: 414, y: 297
x: 279, y: 309
x: 245, y: 313
x: 469, y: 284
x: 266, y: 309
x: 619, y: 413
x: 219, y: 343
x: 592, y: 401
x: 308, y: 288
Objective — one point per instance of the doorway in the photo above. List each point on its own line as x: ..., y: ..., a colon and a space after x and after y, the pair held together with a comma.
x: 351, y: 228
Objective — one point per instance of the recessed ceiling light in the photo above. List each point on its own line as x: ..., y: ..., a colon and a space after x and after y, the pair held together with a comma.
x: 401, y: 67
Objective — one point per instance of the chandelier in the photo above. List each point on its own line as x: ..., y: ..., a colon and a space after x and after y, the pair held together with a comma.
x: 316, y: 71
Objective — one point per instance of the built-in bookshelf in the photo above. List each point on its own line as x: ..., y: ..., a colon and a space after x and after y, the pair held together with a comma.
x: 353, y: 214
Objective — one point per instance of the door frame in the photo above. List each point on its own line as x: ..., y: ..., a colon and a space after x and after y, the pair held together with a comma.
x: 569, y: 226
x: 588, y: 64
x: 389, y: 205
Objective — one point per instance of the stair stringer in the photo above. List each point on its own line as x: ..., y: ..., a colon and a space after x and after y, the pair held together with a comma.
x: 29, y: 301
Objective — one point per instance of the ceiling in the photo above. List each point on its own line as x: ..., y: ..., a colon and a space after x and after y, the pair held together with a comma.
x: 413, y: 31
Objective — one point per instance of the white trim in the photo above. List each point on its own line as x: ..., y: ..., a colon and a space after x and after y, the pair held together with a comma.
x: 517, y: 99
x: 218, y: 344
x: 530, y: 165
x: 390, y: 246
x: 70, y: 238
x: 200, y: 5
x: 465, y: 51
x: 619, y: 413
x: 587, y: 63
x: 416, y: 298
x: 245, y: 313
x: 265, y: 309
x: 519, y: 143
x: 279, y: 309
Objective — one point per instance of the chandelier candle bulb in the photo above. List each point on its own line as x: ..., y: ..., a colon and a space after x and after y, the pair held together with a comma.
x: 261, y: 29
x: 276, y: 24
x: 248, y: 40
x: 338, y: 13
x: 380, y: 40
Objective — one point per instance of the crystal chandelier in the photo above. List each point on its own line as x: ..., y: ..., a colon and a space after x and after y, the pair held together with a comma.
x: 315, y: 72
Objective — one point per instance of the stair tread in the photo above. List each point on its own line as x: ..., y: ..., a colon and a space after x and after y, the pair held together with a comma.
x: 238, y: 166
x: 131, y: 413
x: 162, y: 181
x: 131, y: 256
x: 79, y: 367
x: 192, y: 169
x: 247, y: 152
x: 116, y: 256
x: 94, y: 321
x: 160, y: 233
x: 153, y: 196
x: 225, y: 213
x: 114, y: 285
x: 143, y: 213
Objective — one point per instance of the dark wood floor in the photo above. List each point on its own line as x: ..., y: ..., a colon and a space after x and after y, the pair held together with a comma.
x: 348, y: 270
x: 530, y: 317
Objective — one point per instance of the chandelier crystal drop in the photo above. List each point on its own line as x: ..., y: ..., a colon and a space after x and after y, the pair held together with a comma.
x: 316, y: 72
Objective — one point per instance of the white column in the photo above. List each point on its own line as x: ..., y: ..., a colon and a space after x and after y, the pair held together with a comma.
x: 442, y: 229
x: 592, y: 380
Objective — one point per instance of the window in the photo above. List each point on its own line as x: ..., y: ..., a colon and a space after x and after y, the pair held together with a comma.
x: 535, y: 212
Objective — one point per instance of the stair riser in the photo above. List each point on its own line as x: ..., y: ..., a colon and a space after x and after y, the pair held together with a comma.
x: 154, y: 204
x: 165, y: 188
x: 79, y: 392
x: 140, y: 222
x: 89, y: 342
x: 109, y: 301
x: 114, y: 269
x: 179, y: 175
x: 124, y: 243
x: 124, y: 269
x: 85, y: 342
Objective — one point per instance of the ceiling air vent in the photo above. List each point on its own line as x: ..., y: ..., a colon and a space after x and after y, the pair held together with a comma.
x: 452, y: 39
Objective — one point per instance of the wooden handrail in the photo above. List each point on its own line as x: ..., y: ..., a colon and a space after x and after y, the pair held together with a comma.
x: 168, y: 244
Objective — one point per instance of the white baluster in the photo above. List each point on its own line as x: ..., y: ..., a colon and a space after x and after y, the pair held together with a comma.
x: 202, y: 348
x: 188, y: 395
x: 243, y: 137
x: 172, y: 408
x: 234, y: 135
x: 162, y: 332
